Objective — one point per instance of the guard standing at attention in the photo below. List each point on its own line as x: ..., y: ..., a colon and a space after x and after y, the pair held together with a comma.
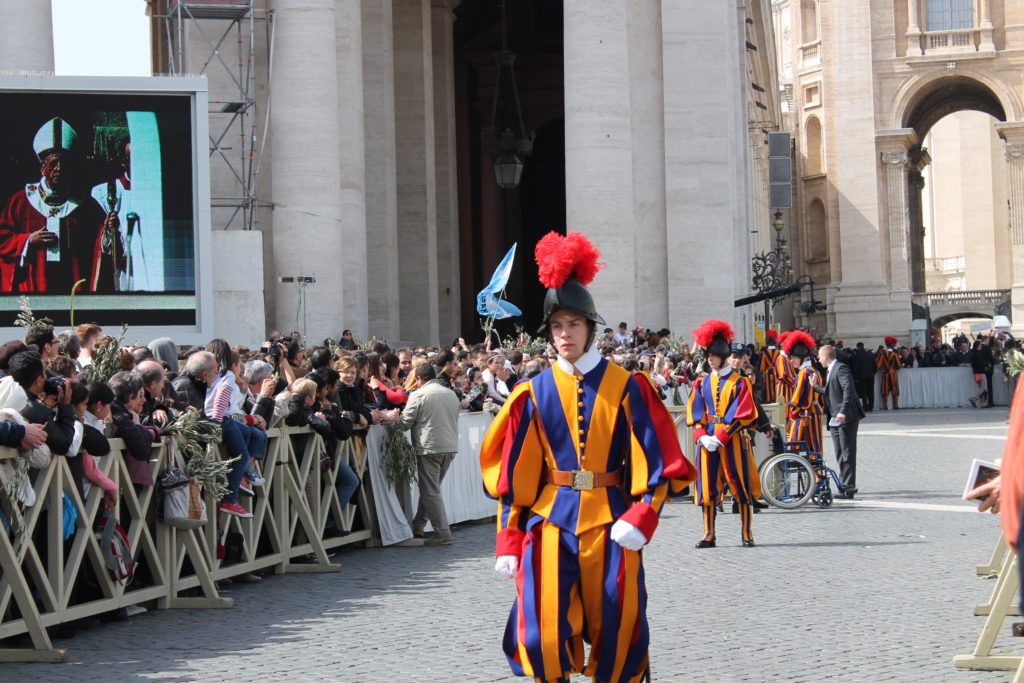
x: 804, y: 410
x: 888, y: 361
x: 581, y: 459
x: 720, y: 409
x: 767, y: 367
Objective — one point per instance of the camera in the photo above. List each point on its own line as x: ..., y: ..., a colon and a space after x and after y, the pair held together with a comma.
x: 273, y: 350
x: 53, y: 386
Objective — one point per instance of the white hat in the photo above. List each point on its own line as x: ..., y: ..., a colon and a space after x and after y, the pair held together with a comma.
x: 54, y: 137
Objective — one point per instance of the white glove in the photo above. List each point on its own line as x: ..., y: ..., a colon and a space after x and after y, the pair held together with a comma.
x: 507, y: 566
x: 709, y: 443
x: 715, y: 444
x: 628, y: 536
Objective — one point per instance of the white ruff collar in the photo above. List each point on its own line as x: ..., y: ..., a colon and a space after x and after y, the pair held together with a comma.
x: 584, y: 364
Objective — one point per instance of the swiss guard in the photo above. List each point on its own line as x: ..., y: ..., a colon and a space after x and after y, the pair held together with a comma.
x: 805, y: 423
x: 889, y: 363
x: 720, y: 408
x: 784, y: 374
x: 767, y: 367
x: 581, y: 459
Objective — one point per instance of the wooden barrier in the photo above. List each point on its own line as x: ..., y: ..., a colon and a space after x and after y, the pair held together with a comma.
x: 59, y: 580
x: 1000, y: 606
x: 991, y: 570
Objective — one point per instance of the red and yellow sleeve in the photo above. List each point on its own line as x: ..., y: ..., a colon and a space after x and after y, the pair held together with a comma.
x: 741, y: 412
x: 656, y: 466
x: 696, y: 409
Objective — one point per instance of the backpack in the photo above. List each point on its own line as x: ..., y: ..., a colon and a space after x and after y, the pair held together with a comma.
x: 117, y: 553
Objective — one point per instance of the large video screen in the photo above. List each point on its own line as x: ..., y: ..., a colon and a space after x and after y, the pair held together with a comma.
x: 97, y: 199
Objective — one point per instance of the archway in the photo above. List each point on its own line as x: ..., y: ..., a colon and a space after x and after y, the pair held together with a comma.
x: 956, y: 225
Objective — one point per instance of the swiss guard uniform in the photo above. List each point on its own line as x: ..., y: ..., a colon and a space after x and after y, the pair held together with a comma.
x: 767, y: 368
x: 581, y: 459
x: 784, y: 372
x: 805, y: 413
x: 720, y: 409
x: 889, y: 363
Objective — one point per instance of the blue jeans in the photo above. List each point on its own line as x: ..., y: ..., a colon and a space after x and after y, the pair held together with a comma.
x: 237, y: 444
x: 346, y: 483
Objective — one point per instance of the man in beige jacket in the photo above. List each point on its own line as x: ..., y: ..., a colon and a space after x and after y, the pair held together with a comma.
x: 432, y: 414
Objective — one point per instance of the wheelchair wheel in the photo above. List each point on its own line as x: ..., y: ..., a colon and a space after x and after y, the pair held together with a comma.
x: 787, y: 481
x: 825, y: 499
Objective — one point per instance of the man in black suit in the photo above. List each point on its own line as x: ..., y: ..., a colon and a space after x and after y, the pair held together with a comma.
x: 862, y: 364
x: 843, y: 412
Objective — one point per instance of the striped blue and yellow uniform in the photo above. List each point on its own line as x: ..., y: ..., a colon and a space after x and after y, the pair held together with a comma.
x: 574, y: 583
x: 723, y: 406
x: 805, y: 414
x: 784, y: 376
x: 769, y: 376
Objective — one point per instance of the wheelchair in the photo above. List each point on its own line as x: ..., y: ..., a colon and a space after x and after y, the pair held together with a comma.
x: 798, y: 475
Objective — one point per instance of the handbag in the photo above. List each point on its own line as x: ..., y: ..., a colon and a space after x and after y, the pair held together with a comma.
x: 183, y: 507
x: 325, y: 462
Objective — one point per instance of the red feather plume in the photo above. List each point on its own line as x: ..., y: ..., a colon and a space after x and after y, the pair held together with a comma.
x: 891, y: 341
x: 561, y: 257
x: 709, y: 329
x: 773, y: 335
x: 797, y: 337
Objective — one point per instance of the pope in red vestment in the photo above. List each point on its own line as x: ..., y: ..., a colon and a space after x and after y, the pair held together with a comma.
x: 52, y: 232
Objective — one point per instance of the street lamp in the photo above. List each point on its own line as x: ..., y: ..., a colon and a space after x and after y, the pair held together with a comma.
x: 772, y: 269
x: 509, y: 148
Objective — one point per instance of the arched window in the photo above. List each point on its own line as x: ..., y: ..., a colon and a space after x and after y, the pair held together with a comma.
x: 949, y: 15
x: 815, y: 153
x: 809, y: 21
x: 817, y: 230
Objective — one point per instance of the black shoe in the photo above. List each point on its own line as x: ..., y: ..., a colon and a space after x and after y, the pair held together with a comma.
x: 758, y: 505
x: 735, y: 508
x: 704, y: 544
x: 748, y: 544
x: 848, y: 493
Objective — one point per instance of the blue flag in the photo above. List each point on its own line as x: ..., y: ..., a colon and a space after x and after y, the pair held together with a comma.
x: 487, y: 302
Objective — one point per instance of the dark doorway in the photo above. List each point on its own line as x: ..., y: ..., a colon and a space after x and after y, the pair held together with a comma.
x: 492, y: 219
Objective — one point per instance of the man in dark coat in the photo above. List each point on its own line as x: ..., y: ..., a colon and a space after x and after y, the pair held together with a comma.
x: 862, y: 365
x: 843, y: 414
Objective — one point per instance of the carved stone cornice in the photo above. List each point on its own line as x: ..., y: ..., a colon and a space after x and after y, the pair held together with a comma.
x: 1014, y: 151
x: 895, y: 158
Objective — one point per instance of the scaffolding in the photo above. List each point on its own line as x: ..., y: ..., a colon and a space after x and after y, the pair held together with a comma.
x: 217, y: 24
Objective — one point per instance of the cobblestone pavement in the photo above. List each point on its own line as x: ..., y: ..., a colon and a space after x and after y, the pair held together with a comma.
x: 878, y: 589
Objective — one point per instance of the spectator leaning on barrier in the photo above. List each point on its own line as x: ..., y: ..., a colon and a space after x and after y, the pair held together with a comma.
x: 138, y: 440
x: 432, y: 414
x: 153, y: 379
x: 191, y: 385
x: 262, y: 397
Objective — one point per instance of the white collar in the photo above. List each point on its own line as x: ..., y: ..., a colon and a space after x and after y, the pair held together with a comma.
x: 805, y: 364
x: 584, y: 364
x: 723, y: 371
x: 772, y: 348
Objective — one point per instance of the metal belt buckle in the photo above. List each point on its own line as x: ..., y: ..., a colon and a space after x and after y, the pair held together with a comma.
x: 582, y: 480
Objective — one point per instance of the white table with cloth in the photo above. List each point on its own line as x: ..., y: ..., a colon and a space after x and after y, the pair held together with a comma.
x: 941, y: 387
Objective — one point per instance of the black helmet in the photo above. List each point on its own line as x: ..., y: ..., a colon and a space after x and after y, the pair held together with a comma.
x: 572, y: 296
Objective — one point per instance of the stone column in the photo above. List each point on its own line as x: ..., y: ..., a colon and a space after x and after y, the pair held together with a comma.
x: 986, y: 44
x: 415, y: 171
x: 913, y: 30
x: 348, y: 29
x: 705, y: 128
x: 893, y: 153
x: 307, y: 230
x: 919, y: 159
x: 1013, y: 135
x: 383, y: 306
x: 648, y: 137
x: 26, y: 36
x: 599, y: 147
x: 446, y: 171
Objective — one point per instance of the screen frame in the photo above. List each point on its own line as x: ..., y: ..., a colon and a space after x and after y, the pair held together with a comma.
x: 197, y: 90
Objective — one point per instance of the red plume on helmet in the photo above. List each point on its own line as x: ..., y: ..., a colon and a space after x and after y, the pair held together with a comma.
x: 773, y: 335
x: 709, y: 329
x: 891, y: 341
x: 791, y: 339
x: 561, y: 257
